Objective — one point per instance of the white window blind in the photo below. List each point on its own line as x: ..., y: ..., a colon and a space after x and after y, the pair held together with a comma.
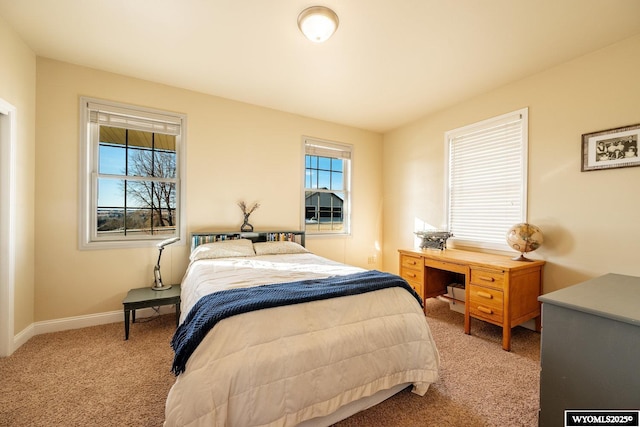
x: 326, y: 149
x: 487, y: 179
x: 124, y: 118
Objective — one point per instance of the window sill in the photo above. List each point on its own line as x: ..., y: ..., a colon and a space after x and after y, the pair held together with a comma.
x: 130, y: 244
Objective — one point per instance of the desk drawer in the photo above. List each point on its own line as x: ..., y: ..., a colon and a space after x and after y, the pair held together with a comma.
x: 411, y: 262
x: 415, y: 279
x: 446, y: 266
x: 492, y: 278
x: 486, y: 303
x: 418, y: 288
x: 412, y: 276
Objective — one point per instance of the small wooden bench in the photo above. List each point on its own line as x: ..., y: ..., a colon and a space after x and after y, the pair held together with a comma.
x: 147, y: 297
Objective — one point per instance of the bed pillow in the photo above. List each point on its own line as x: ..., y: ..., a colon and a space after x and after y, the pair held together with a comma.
x: 223, y: 249
x: 278, y: 248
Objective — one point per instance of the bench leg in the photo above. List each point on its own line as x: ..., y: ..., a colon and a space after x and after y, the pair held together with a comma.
x: 126, y: 324
x: 177, y: 314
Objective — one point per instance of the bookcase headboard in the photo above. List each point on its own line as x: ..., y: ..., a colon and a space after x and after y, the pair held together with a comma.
x: 202, y: 237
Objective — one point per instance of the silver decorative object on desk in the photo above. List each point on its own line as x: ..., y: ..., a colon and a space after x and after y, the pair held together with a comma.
x: 433, y: 239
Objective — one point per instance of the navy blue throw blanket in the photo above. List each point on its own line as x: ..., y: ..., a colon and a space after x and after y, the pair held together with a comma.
x: 214, y: 307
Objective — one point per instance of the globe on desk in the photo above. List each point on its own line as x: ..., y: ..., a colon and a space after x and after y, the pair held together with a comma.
x: 524, y: 238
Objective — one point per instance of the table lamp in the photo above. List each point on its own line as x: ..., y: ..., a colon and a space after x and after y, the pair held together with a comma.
x: 157, y: 279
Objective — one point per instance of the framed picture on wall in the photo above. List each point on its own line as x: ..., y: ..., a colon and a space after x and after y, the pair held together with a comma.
x: 612, y: 148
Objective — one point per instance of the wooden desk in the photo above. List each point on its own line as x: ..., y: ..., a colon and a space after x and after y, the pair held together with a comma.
x: 498, y: 290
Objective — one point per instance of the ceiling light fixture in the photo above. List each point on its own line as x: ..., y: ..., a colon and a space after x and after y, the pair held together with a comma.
x: 318, y: 23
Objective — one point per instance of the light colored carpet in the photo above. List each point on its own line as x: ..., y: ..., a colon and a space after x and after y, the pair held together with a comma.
x: 480, y: 384
x: 92, y: 377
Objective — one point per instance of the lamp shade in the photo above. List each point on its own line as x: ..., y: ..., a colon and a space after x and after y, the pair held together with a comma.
x: 167, y: 242
x: 318, y: 23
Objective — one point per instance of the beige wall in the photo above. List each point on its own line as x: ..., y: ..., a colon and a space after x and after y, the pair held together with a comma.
x: 589, y: 219
x: 238, y: 152
x: 234, y: 152
x: 17, y: 87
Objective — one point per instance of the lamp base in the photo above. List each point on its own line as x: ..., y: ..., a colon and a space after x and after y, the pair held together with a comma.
x: 161, y: 287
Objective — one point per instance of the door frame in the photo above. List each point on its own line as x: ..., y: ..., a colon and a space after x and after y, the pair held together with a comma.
x: 8, y: 147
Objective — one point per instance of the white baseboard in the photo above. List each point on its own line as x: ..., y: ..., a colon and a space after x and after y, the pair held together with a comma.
x: 22, y: 337
x: 77, y: 322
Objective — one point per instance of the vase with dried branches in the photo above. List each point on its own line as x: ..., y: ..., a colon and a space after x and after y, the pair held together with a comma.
x: 246, y: 212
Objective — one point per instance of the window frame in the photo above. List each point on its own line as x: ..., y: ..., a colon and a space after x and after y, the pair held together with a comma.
x: 522, y: 161
x: 88, y: 176
x: 324, y: 148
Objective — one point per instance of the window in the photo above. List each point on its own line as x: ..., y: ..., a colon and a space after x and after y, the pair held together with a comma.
x: 486, y: 179
x: 327, y: 177
x: 131, y: 175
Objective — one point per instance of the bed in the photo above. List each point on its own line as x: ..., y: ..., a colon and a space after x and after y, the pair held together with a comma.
x: 312, y: 362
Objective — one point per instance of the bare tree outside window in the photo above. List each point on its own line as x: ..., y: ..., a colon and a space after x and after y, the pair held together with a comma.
x: 158, y: 196
x: 137, y: 185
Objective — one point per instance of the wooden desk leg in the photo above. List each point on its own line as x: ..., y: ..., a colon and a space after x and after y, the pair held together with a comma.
x: 126, y: 324
x: 538, y: 323
x: 506, y: 338
x: 467, y: 319
x: 467, y: 297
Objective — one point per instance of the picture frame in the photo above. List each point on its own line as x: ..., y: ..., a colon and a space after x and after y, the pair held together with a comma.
x: 611, y: 148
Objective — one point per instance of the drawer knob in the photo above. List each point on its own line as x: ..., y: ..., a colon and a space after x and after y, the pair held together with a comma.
x: 484, y: 294
x: 412, y: 262
x: 487, y: 278
x: 411, y: 274
x: 485, y: 309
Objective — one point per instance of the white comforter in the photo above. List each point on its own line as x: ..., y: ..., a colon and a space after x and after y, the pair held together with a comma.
x: 284, y: 365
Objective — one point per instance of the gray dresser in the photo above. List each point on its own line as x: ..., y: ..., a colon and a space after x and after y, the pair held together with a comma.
x: 590, y: 348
